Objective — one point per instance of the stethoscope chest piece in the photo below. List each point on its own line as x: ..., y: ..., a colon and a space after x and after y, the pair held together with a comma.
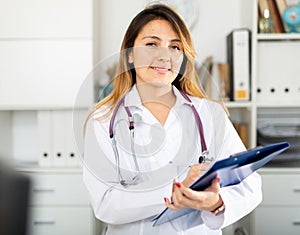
x: 204, y: 157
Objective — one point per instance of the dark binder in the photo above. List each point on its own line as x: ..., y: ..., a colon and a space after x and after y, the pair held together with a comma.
x: 231, y: 171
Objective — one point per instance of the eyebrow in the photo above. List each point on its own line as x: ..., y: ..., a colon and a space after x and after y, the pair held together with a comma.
x: 158, y: 38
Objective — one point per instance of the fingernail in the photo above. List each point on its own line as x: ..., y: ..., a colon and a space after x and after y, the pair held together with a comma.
x: 165, y: 199
x: 178, y: 184
x: 218, y: 179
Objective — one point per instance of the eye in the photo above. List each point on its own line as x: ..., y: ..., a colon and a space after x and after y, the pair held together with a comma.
x: 175, y: 48
x: 151, y: 44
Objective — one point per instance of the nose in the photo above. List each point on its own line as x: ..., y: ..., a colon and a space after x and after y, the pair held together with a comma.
x: 163, y: 55
x: 164, y: 59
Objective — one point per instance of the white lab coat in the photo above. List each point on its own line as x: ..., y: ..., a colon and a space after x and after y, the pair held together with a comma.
x: 130, y: 210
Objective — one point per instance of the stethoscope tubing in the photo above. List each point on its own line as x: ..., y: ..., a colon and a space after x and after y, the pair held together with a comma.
x: 131, y: 127
x: 198, y: 120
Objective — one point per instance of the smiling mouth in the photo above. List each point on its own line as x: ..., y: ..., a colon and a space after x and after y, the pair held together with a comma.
x: 160, y: 69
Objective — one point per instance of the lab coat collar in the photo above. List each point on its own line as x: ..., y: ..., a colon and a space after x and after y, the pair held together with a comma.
x: 133, y: 98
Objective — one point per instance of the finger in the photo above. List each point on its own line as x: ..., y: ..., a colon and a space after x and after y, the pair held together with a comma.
x: 173, y: 186
x: 215, y: 185
x: 167, y: 202
x: 178, y: 197
x: 201, y: 200
x: 170, y: 205
x: 193, y: 195
x: 192, y: 199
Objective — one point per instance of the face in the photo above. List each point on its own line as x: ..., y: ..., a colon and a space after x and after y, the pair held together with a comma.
x: 157, y: 54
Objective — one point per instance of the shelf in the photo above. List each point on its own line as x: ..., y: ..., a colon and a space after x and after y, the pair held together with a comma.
x: 38, y: 169
x: 40, y: 107
x: 279, y: 170
x: 278, y: 36
x: 278, y: 105
x: 246, y: 104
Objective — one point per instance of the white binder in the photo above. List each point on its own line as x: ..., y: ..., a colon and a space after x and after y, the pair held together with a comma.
x: 44, y: 122
x: 72, y: 155
x: 238, y: 55
x: 57, y: 146
x: 59, y: 138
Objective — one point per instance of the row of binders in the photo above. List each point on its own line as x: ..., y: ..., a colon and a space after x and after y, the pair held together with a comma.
x: 57, y: 145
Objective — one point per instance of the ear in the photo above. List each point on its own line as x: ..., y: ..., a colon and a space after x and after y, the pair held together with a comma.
x: 130, y: 57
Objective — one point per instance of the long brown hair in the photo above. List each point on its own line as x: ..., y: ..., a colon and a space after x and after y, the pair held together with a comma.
x: 125, y: 75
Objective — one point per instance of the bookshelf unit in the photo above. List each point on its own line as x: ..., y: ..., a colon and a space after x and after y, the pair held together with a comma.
x: 275, y: 63
x: 276, y: 96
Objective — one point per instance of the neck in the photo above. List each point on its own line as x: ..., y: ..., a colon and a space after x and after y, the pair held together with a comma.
x: 159, y: 94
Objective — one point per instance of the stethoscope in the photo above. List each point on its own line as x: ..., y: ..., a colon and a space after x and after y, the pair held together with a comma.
x: 204, y: 153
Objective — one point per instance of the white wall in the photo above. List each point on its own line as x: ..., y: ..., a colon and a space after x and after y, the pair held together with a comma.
x: 113, y: 17
x: 216, y: 19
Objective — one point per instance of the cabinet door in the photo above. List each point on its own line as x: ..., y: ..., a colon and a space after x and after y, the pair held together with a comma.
x: 45, y: 73
x: 276, y: 220
x: 45, y: 18
x: 60, y: 221
x: 58, y: 190
x: 281, y: 190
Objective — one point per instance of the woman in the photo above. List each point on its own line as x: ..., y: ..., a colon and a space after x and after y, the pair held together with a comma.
x: 129, y: 172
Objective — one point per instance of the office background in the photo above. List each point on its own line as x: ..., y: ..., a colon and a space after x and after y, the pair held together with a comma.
x: 48, y: 49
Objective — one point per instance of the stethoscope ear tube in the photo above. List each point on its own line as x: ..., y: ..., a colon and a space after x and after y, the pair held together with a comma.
x: 113, y: 117
x: 198, y: 121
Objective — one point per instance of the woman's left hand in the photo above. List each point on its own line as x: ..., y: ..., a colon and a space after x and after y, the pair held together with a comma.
x: 183, y: 197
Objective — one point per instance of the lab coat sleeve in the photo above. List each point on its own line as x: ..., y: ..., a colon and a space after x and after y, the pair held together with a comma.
x: 239, y: 199
x: 111, y: 204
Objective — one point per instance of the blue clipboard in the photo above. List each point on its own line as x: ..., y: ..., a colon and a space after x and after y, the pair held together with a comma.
x: 231, y: 171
